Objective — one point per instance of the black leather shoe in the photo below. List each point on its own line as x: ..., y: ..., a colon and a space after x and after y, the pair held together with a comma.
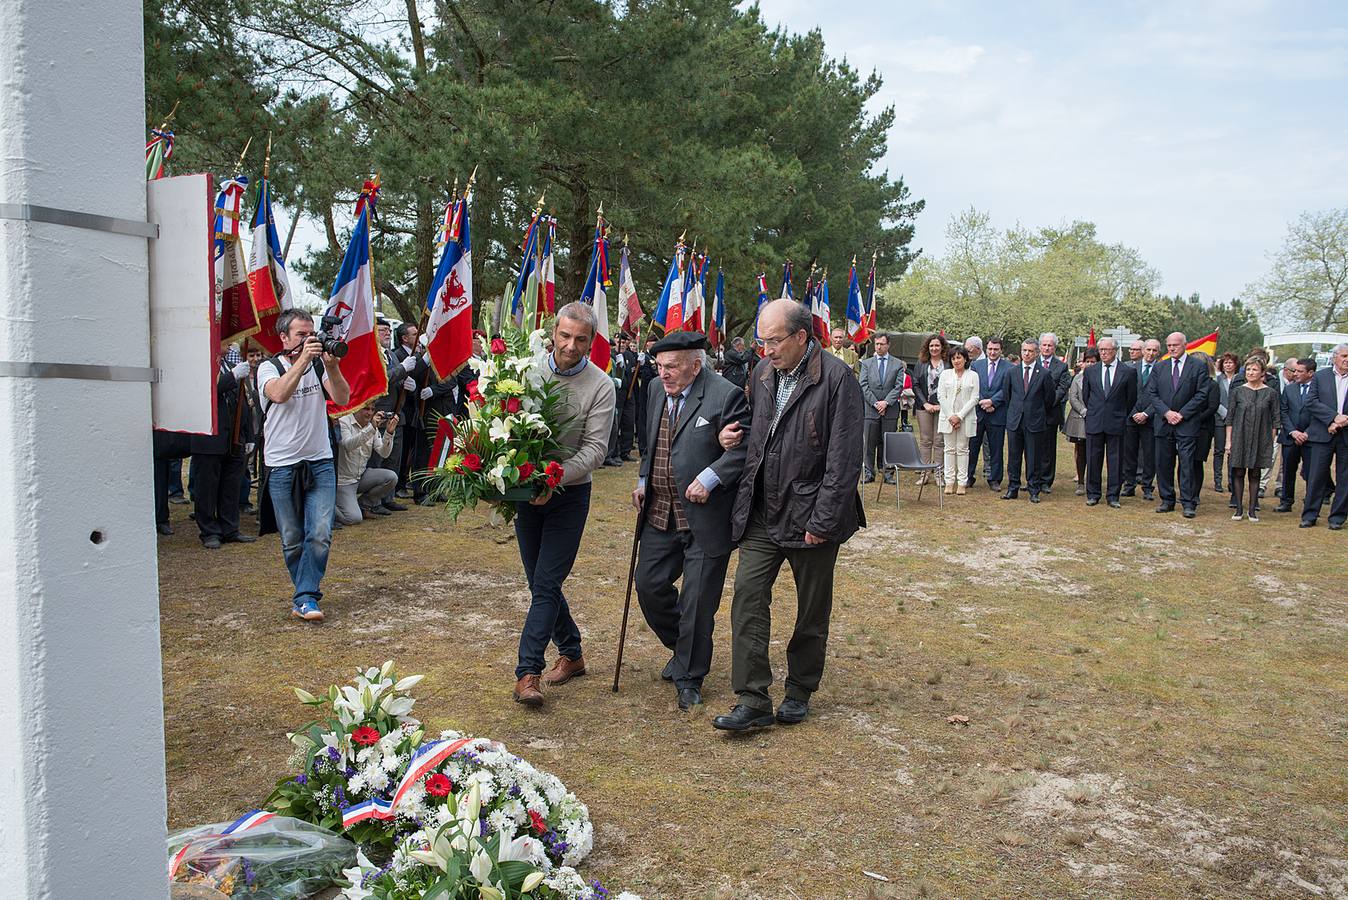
x: 1165, y: 508
x: 1335, y: 526
x: 1011, y: 495
x: 889, y: 479
x: 612, y: 463
x: 1148, y: 494
x: 1283, y: 507
x: 626, y: 457
x: 1261, y: 493
x: 1190, y: 512
x: 1128, y: 492
x: 165, y: 529
x: 743, y: 718
x: 994, y: 485
x: 1114, y: 504
x: 178, y: 499
x: 1095, y: 502
x: 793, y: 712
x: 1307, y: 523
x: 689, y: 697
x: 394, y: 505
x: 667, y: 673
x: 211, y: 543
x: 238, y: 537
x: 868, y: 479
x: 1034, y: 498
x: 1048, y: 490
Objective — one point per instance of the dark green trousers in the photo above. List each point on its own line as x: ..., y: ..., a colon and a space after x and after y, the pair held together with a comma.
x: 751, y: 616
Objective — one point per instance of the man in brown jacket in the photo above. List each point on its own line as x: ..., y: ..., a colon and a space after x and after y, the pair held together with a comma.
x: 798, y: 503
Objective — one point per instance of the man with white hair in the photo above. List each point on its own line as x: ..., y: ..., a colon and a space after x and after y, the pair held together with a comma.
x: 1175, y: 398
x: 1061, y: 376
x: 973, y: 346
x: 549, y: 527
x: 1327, y: 399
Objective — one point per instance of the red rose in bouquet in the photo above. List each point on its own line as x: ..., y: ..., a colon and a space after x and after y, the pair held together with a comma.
x: 472, y: 462
x: 526, y: 469
x: 474, y: 394
x: 553, y: 473
x: 365, y: 736
x: 498, y: 346
x: 512, y: 405
x: 439, y: 785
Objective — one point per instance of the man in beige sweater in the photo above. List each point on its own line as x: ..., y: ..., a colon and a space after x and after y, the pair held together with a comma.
x: 550, y: 526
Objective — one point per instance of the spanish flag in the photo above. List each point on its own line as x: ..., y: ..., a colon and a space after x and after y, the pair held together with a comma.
x: 1206, y: 345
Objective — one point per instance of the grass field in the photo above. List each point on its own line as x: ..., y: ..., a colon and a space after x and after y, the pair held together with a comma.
x: 1020, y: 700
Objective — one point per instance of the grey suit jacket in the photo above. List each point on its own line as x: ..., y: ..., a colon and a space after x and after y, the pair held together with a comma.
x: 711, y: 404
x: 873, y: 391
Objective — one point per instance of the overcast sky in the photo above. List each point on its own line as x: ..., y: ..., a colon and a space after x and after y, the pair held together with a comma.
x: 1193, y: 131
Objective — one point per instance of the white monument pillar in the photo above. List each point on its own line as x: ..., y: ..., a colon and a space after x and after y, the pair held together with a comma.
x: 82, y: 802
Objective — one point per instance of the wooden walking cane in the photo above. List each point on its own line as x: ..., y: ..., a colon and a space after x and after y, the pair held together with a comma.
x: 627, y: 604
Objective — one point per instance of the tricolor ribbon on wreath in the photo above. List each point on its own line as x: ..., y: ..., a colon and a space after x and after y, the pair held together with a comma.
x: 426, y: 758
x: 250, y: 819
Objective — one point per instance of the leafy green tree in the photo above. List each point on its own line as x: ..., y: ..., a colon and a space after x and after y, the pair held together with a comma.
x: 1306, y: 285
x: 1237, y: 323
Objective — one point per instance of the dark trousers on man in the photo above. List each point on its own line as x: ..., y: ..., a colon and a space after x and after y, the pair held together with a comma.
x: 641, y: 417
x: 1317, y: 482
x: 1174, y: 450
x: 627, y: 425
x: 216, y: 496
x: 1293, y: 457
x: 751, y: 616
x: 1139, y: 455
x: 168, y: 448
x: 988, y: 443
x: 1101, y: 450
x: 873, y: 443
x: 549, y: 539
x: 682, y: 618
x: 1021, y: 443
x: 1048, y: 456
x: 410, y: 432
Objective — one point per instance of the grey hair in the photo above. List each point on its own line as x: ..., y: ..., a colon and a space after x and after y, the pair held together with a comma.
x: 1048, y: 334
x: 1340, y: 348
x: 1031, y: 341
x: 737, y: 342
x: 975, y: 340
x: 287, y: 318
x: 1113, y: 343
x: 799, y: 318
x: 579, y: 311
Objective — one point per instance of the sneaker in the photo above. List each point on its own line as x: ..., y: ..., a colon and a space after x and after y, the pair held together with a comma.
x: 1237, y: 516
x: 308, y: 611
x: 1254, y: 517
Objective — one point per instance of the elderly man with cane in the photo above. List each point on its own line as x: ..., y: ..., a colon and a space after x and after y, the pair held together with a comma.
x: 797, y: 503
x: 684, y: 497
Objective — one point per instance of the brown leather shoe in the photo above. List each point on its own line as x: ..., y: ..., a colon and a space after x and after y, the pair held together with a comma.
x: 527, y: 692
x: 563, y: 670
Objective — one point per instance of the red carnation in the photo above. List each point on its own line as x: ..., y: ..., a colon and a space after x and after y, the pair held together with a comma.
x: 526, y: 469
x: 439, y: 785
x: 512, y: 404
x: 554, y: 474
x: 538, y: 823
x: 472, y: 462
x: 365, y: 736
x: 498, y: 345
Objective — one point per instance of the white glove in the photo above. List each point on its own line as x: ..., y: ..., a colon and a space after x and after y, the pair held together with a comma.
x: 410, y: 363
x: 409, y: 384
x: 241, y: 371
x: 426, y: 393
x: 249, y: 448
x: 426, y: 357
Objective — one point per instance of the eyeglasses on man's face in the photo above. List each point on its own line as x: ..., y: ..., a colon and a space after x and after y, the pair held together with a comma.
x: 773, y: 343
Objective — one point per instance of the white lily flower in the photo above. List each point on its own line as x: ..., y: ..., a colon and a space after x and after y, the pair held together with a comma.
x: 396, y: 706
x: 305, y: 696
x: 497, y: 476
x: 531, y: 881
x: 386, y: 669
x: 500, y: 429
x: 406, y: 684
x: 356, y: 876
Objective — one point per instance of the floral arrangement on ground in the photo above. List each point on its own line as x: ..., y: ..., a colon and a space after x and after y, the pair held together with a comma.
x: 448, y: 817
x: 505, y: 449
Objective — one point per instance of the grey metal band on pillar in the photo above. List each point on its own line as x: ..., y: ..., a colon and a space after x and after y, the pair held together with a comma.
x: 78, y: 371
x: 27, y: 212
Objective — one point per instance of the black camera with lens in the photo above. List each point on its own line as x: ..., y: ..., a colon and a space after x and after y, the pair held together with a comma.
x: 332, y: 345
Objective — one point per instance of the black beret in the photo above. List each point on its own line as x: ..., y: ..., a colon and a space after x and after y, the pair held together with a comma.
x: 680, y: 340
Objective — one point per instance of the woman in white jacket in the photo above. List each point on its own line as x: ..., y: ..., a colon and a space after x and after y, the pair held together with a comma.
x: 957, y: 392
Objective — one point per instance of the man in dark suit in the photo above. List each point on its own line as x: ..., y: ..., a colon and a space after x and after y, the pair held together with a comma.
x: 219, y: 463
x: 625, y: 368
x: 397, y: 371
x: 1327, y: 399
x: 1109, y: 392
x: 1175, y: 398
x: 646, y: 373
x: 685, y: 496
x: 1031, y: 392
x: 881, y: 384
x: 406, y: 335
x: 993, y: 374
x: 1139, y: 444
x: 1061, y: 376
x: 1296, y: 419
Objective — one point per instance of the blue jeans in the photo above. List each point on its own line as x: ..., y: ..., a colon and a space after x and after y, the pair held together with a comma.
x: 549, y: 539
x: 306, y: 532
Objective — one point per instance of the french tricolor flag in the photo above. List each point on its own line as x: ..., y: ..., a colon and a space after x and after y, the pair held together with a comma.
x: 595, y: 293
x: 668, y: 315
x: 267, y: 277
x: 352, y: 301
x: 449, y: 321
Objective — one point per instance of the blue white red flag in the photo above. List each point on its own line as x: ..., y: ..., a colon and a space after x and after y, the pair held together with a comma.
x: 158, y: 150
x: 696, y: 301
x: 668, y: 315
x: 788, y: 290
x: 234, y: 302
x: 267, y: 277
x: 526, y: 286
x: 595, y: 293
x: 449, y: 304
x: 856, y: 307
x: 716, y: 324
x: 548, y: 270
x: 871, y: 326
x: 819, y: 309
x: 763, y: 300
x: 627, y: 297
x: 352, y: 302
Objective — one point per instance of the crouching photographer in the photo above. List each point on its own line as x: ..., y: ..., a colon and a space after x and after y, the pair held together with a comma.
x: 360, y: 490
x: 301, y: 477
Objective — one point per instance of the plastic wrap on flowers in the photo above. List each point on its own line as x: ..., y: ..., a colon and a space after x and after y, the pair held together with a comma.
x: 259, y: 855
